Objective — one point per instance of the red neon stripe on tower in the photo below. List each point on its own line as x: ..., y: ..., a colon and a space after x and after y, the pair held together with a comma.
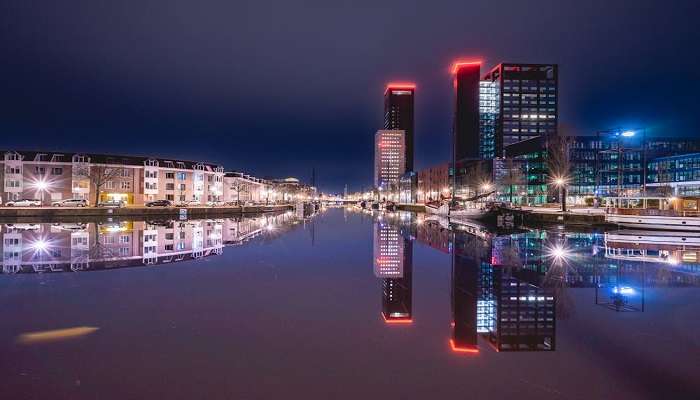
x: 459, y: 64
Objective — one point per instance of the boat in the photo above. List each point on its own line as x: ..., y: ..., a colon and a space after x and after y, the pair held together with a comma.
x: 656, y: 213
x: 390, y: 206
x: 674, y: 248
x: 469, y: 210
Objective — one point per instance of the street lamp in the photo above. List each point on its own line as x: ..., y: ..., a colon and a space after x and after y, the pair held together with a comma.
x: 561, y: 184
x: 41, y: 186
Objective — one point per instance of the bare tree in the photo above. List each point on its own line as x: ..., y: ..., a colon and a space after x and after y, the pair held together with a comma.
x: 99, y: 175
x: 238, y: 187
x: 476, y: 177
x: 513, y: 177
x: 559, y: 163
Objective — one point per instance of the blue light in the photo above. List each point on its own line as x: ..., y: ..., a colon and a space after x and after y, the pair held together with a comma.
x: 624, y: 290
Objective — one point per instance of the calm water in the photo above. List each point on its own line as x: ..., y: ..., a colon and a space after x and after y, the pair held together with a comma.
x: 344, y: 305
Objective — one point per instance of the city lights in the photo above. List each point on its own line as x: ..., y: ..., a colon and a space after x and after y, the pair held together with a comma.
x: 558, y: 253
x: 627, y: 133
x: 40, y: 245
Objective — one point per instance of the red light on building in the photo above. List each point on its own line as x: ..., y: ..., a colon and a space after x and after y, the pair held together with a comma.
x: 397, y: 320
x: 399, y: 86
x: 459, y: 64
x: 469, y: 349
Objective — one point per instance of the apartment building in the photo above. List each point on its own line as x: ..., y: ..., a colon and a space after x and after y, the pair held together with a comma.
x: 52, y: 176
x: 241, y: 187
x: 59, y: 247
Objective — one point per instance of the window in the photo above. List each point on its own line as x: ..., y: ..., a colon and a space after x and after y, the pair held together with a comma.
x: 169, y: 186
x: 124, y: 239
x: 151, y: 186
x: 40, y: 170
x: 124, y: 251
x: 108, y: 185
x: 151, y: 174
x: 169, y: 247
x: 169, y: 175
x: 183, y: 186
x: 57, y: 171
x: 169, y: 236
x: 181, y: 176
x: 170, y: 197
x: 79, y: 241
x: 126, y: 185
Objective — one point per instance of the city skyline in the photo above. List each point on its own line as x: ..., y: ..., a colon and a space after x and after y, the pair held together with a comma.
x: 199, y: 86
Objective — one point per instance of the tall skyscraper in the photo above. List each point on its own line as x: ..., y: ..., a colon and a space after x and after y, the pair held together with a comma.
x: 398, y: 115
x: 465, y: 137
x: 389, y: 159
x: 465, y: 275
x: 393, y: 262
x: 517, y: 102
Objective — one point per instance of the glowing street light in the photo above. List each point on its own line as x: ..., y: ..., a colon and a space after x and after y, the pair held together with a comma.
x: 559, y: 253
x: 40, y: 245
x: 627, y: 133
x: 560, y: 182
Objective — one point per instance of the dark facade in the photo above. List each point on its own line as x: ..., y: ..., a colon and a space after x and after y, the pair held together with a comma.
x: 465, y: 292
x: 518, y: 102
x: 466, y: 119
x: 397, y: 293
x: 398, y: 114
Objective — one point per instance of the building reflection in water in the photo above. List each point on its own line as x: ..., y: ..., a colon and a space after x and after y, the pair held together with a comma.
x: 393, y: 264
x: 505, y: 304
x: 55, y: 247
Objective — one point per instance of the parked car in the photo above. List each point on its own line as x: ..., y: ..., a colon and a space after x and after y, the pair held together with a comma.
x: 23, y: 203
x: 188, y: 203
x: 112, y: 203
x: 24, y: 227
x: 70, y: 203
x: 159, y: 203
x: 214, y: 203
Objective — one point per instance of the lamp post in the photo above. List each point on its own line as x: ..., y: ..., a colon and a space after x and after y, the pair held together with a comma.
x: 561, y: 184
x: 41, y: 186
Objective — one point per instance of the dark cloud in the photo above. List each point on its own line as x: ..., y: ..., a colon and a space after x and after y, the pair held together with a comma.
x: 279, y: 87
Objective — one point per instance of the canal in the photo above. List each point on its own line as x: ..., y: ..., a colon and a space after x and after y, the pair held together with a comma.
x: 345, y: 304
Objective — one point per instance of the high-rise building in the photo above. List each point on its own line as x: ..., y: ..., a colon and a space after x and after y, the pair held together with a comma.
x: 465, y: 275
x: 517, y: 102
x: 389, y: 159
x: 393, y: 262
x: 398, y: 115
x: 465, y: 137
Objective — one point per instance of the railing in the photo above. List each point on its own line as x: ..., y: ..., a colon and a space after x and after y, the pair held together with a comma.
x: 651, y: 212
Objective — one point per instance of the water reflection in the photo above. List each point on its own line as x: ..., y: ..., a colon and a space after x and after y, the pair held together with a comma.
x: 56, y: 247
x: 393, y: 264
x: 509, y: 289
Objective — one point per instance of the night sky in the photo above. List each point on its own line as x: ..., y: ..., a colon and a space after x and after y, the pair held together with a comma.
x: 278, y: 87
